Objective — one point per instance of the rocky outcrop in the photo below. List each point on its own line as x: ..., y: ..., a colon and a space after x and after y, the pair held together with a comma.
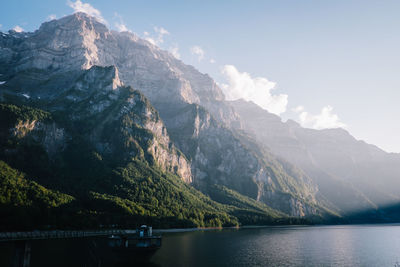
x: 135, y: 114
x: 124, y: 121
x: 52, y: 137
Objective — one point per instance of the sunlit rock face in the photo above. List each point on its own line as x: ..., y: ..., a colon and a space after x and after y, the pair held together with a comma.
x: 50, y: 135
x: 68, y: 43
x: 77, y: 64
x: 221, y: 156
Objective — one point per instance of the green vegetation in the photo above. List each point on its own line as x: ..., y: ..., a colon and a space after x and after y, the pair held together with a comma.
x: 157, y: 198
x: 227, y: 196
x: 25, y: 203
x: 17, y: 190
x: 99, y: 190
x: 80, y: 187
x: 10, y: 114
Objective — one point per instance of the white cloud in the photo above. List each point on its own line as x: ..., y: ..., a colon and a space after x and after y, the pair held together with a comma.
x: 212, y: 61
x: 158, y: 39
x: 150, y: 40
x: 121, y: 27
x: 1, y: 25
x: 242, y: 85
x: 198, y: 51
x: 18, y: 29
x: 51, y: 17
x: 325, y: 119
x: 161, y: 31
x: 174, y: 50
x: 298, y: 109
x: 79, y: 6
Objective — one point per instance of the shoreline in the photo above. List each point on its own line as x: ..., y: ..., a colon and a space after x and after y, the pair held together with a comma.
x: 182, y: 230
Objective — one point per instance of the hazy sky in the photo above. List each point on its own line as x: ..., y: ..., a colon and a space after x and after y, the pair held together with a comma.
x: 322, y: 63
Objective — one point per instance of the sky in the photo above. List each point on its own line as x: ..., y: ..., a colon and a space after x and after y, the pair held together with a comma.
x: 325, y: 64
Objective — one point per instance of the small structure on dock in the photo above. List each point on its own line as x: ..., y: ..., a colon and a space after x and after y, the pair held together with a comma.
x: 142, y: 242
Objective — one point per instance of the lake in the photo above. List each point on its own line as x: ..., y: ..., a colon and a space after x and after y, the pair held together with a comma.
x: 366, y: 245
x: 354, y: 245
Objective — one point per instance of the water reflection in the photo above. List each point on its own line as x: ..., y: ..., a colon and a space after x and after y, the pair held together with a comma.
x: 284, y: 246
x: 274, y: 246
x: 71, y: 252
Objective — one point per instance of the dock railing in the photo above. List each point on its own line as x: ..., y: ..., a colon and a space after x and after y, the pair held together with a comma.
x: 32, y: 235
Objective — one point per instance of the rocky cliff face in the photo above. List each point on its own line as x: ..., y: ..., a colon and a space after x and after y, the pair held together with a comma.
x: 119, y: 121
x: 80, y: 42
x: 222, y: 157
x: 127, y: 125
x: 50, y: 135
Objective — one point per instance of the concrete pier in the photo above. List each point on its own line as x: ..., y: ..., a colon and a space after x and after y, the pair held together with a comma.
x: 22, y: 254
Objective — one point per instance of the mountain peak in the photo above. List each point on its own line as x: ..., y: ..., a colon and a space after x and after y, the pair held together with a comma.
x: 77, y: 21
x: 80, y: 17
x: 73, y: 38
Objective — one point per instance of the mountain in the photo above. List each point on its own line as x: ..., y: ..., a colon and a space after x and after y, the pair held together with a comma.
x: 353, y: 175
x: 75, y: 127
x: 121, y: 132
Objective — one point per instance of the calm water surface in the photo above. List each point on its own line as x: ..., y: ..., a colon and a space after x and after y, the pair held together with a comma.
x: 366, y: 245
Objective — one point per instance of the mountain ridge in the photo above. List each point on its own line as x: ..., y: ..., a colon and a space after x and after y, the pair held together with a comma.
x: 330, y: 153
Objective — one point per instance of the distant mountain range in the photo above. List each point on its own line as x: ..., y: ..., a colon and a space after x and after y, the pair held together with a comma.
x: 351, y: 174
x: 102, y: 128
